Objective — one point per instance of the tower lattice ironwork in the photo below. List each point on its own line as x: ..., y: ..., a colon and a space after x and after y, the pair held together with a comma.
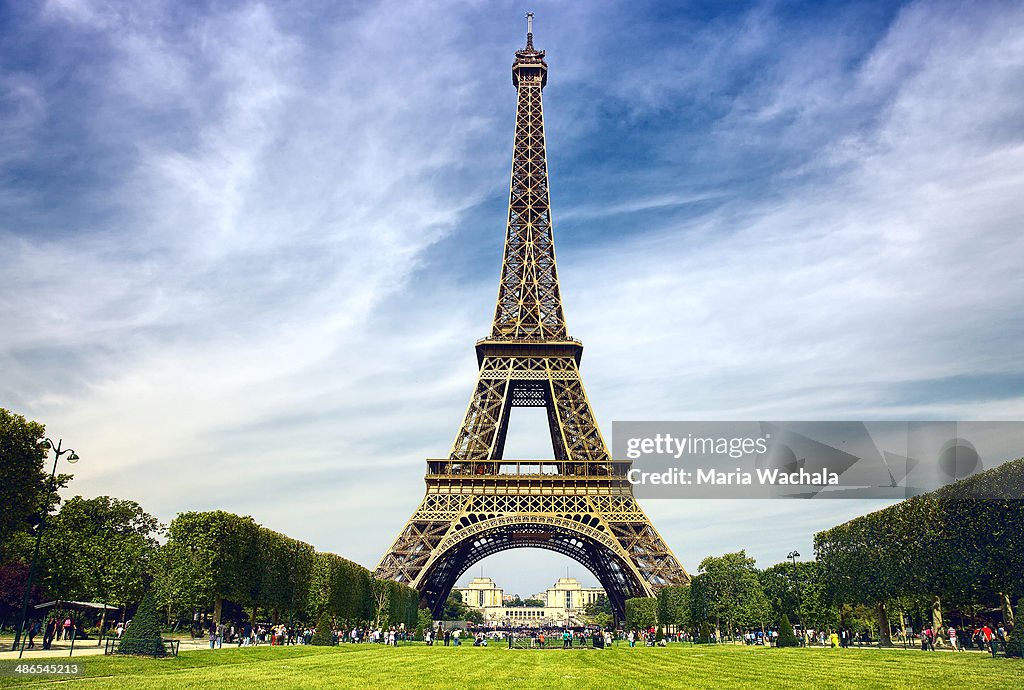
x: 578, y: 503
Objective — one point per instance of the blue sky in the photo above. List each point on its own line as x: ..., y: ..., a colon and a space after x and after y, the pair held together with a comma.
x: 247, y: 248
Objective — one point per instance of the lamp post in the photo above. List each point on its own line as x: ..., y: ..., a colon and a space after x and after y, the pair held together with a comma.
x: 44, y: 445
x: 793, y: 555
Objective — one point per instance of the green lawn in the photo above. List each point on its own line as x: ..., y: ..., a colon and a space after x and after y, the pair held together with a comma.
x: 678, y: 666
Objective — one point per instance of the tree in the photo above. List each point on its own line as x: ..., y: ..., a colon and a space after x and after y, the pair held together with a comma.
x: 536, y: 603
x: 674, y: 606
x: 219, y: 553
x: 727, y: 589
x: 641, y: 613
x: 959, y: 543
x: 143, y: 636
x: 600, y: 612
x: 424, y: 622
x: 26, y: 492
x: 13, y: 577
x: 323, y: 636
x: 99, y: 549
x: 454, y: 609
x: 787, y: 638
x: 799, y: 590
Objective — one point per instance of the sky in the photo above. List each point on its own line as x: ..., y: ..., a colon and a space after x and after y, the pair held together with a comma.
x: 246, y: 248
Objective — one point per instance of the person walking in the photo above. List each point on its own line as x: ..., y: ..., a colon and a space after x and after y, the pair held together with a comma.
x: 929, y: 639
x: 986, y: 636
x: 50, y: 633
x: 951, y: 633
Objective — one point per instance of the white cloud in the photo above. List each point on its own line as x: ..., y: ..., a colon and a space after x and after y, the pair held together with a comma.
x: 262, y: 310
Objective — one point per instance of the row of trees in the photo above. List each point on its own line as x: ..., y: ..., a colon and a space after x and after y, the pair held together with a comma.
x: 958, y: 546
x: 108, y: 550
x: 213, y: 557
x: 729, y: 593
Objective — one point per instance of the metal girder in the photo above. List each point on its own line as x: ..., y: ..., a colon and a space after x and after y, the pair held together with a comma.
x: 473, y: 507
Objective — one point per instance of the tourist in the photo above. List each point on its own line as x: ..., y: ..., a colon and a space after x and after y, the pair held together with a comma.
x: 455, y: 637
x: 33, y: 630
x: 927, y: 640
x: 50, y: 633
x: 951, y: 633
x: 986, y: 636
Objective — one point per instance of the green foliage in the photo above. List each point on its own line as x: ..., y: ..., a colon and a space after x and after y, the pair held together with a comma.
x: 142, y: 636
x: 539, y: 603
x: 396, y: 604
x: 213, y: 556
x: 959, y: 543
x: 323, y: 636
x: 600, y: 612
x: 216, y: 556
x: 99, y: 549
x: 674, y: 606
x: 26, y: 492
x: 424, y: 622
x: 801, y: 590
x: 1015, y: 645
x: 728, y: 590
x: 285, y: 570
x: 454, y: 608
x: 705, y: 632
x: 787, y: 638
x: 641, y: 612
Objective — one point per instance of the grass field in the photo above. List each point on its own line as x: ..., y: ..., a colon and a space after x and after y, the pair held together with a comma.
x: 678, y: 666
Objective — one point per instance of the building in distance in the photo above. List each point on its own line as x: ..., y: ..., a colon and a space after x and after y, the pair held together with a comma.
x: 565, y: 603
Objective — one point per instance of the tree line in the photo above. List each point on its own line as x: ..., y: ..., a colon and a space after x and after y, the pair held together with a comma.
x: 955, y: 548
x: 959, y: 546
x: 108, y: 550
x: 213, y: 557
x: 729, y: 594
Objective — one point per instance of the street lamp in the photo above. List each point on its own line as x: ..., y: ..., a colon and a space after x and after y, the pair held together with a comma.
x: 44, y: 445
x: 793, y: 555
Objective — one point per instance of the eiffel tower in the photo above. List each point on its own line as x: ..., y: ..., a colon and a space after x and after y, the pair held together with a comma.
x: 578, y: 503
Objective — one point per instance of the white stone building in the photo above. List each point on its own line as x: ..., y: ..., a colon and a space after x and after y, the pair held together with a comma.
x: 564, y: 603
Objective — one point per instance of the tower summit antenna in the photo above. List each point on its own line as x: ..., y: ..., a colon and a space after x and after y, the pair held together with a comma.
x: 529, y: 30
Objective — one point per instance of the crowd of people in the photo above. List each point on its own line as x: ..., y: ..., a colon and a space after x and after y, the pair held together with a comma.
x: 982, y: 637
x: 55, y: 627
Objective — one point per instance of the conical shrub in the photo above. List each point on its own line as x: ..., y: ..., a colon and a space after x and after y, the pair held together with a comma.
x: 323, y: 637
x: 787, y: 638
x: 142, y: 637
